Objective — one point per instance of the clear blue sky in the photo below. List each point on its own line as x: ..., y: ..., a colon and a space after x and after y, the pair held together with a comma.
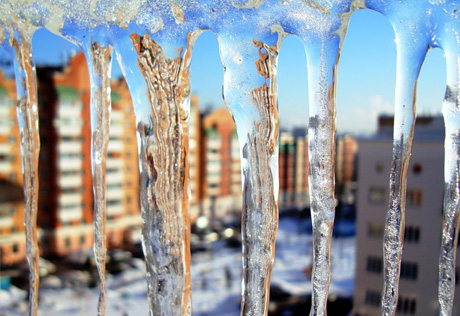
x: 366, y: 74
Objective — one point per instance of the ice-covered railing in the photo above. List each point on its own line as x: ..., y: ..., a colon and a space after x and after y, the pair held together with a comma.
x: 153, y: 42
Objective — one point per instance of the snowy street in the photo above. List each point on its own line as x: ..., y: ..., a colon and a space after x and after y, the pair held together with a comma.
x: 215, y: 280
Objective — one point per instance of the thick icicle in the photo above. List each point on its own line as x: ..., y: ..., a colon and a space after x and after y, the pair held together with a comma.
x: 451, y: 214
x: 163, y: 155
x: 410, y: 56
x: 322, y: 67
x: 250, y: 88
x: 99, y: 58
x: 27, y: 111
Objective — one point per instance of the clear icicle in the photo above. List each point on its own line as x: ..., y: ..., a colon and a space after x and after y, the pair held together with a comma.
x: 322, y: 65
x: 99, y: 58
x: 410, y: 56
x: 162, y: 109
x: 451, y: 214
x: 27, y: 111
x: 258, y: 136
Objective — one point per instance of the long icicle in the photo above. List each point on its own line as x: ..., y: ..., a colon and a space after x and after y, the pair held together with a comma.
x: 260, y: 205
x: 163, y: 157
x: 410, y: 56
x: 451, y: 212
x: 99, y: 58
x: 27, y: 112
x: 322, y: 57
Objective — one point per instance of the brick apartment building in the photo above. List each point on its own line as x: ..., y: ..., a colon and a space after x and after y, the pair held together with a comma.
x: 65, y: 215
x: 220, y: 161
x: 12, y: 240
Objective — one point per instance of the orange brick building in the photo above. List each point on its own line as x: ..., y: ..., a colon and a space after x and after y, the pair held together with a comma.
x: 65, y: 214
x: 12, y: 240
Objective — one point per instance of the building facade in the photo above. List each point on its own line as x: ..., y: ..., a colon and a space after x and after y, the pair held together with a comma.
x: 293, y: 171
x: 65, y: 206
x: 12, y: 239
x: 220, y: 161
x: 424, y: 203
x: 66, y: 195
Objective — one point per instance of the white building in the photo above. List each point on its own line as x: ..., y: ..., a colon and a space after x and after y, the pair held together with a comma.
x: 419, y: 268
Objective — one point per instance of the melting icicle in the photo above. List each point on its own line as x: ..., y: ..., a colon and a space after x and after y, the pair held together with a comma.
x: 250, y: 92
x: 99, y: 58
x: 411, y: 50
x: 164, y: 174
x: 157, y: 70
x: 450, y: 42
x: 27, y: 112
x: 323, y: 37
x: 16, y: 36
x: 258, y: 137
x: 321, y: 59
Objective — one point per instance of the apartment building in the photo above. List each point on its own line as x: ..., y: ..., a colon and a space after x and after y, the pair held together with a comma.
x: 12, y: 240
x: 293, y: 171
x: 347, y: 148
x: 221, y: 174
x: 66, y: 197
x: 194, y: 155
x: 419, y: 268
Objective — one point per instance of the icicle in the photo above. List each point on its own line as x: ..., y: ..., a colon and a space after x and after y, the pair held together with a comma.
x: 27, y: 112
x: 99, y: 58
x: 410, y: 56
x: 321, y: 63
x: 160, y: 87
x: 322, y: 34
x: 451, y: 216
x: 250, y: 88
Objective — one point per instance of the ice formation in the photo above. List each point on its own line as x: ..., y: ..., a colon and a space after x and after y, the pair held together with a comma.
x: 153, y: 41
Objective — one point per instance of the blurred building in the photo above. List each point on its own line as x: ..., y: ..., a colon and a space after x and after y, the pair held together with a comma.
x: 424, y: 203
x: 220, y: 161
x: 347, y: 148
x: 194, y: 145
x: 66, y: 197
x: 12, y: 239
x: 293, y: 170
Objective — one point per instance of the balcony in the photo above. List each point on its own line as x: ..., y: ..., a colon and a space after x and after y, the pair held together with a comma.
x: 115, y: 194
x: 115, y: 146
x: 5, y: 149
x: 69, y: 147
x: 70, y: 199
x: 5, y: 167
x: 70, y: 214
x: 70, y: 181
x: 68, y: 164
x: 116, y: 177
x: 114, y: 163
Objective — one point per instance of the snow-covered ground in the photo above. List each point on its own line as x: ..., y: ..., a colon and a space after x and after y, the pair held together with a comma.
x: 216, y: 280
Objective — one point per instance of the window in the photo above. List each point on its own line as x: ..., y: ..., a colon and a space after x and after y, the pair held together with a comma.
x: 409, y: 271
x: 379, y: 167
x: 374, y: 265
x: 15, y: 248
x: 406, y: 305
x: 414, y: 197
x: 67, y: 242
x: 411, y: 234
x: 377, y: 195
x: 82, y: 239
x: 417, y: 169
x: 376, y: 229
x: 457, y: 271
x: 372, y: 298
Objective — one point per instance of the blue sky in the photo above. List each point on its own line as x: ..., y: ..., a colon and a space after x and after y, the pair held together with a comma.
x: 366, y: 76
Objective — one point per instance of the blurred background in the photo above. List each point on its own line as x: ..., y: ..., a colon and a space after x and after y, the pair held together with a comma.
x: 363, y: 157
